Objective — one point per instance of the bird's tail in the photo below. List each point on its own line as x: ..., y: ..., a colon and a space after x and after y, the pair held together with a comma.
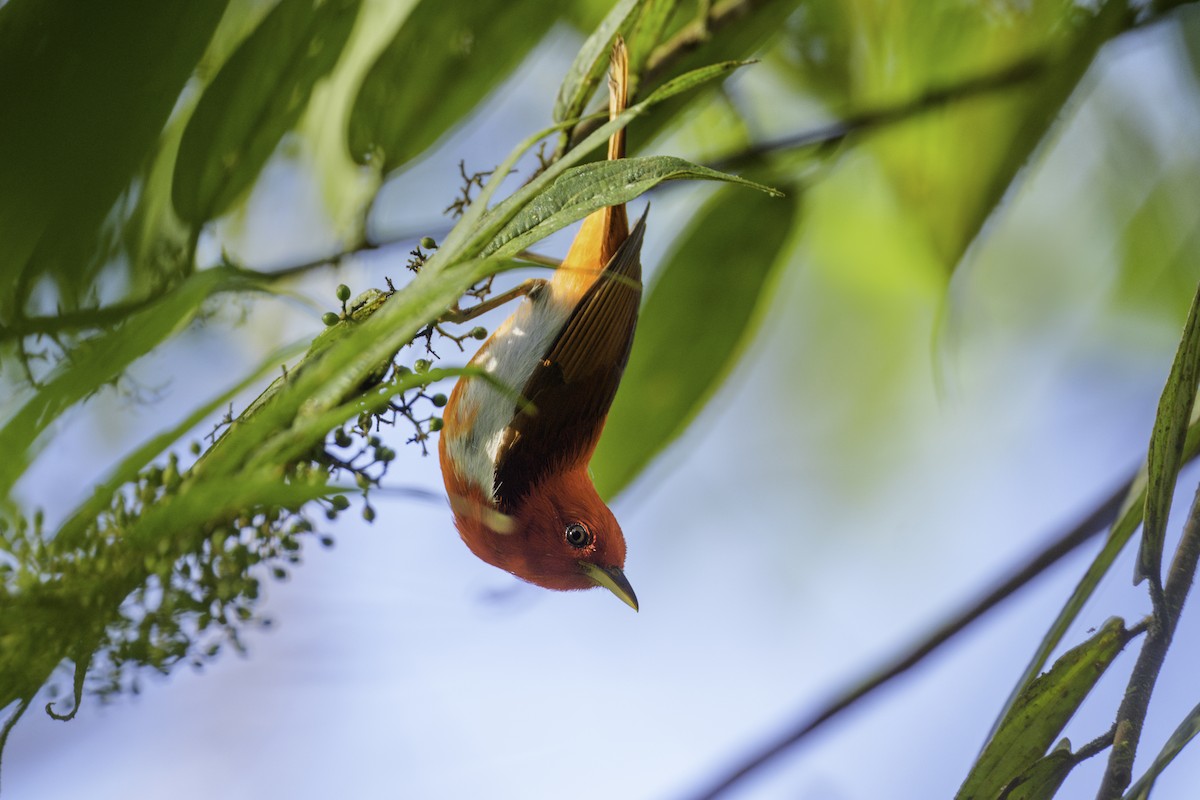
x: 605, y: 230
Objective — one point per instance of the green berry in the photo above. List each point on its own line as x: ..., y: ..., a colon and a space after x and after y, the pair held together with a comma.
x: 340, y: 502
x: 330, y: 319
x: 422, y: 365
x: 343, y: 292
x: 428, y: 243
x: 435, y: 424
x: 368, y: 513
x: 438, y: 400
x: 478, y: 332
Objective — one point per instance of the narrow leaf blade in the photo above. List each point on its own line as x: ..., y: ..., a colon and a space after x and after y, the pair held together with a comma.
x: 1184, y: 733
x: 584, y: 74
x: 1043, y: 778
x: 1040, y: 712
x: 584, y: 189
x: 101, y: 360
x: 1167, y: 442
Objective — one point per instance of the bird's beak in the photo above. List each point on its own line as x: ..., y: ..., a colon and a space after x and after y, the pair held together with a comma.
x: 613, y: 579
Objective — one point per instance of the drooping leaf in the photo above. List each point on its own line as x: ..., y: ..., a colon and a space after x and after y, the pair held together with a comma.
x: 1183, y: 734
x: 588, y: 187
x: 82, y: 111
x: 1041, y: 711
x: 698, y: 317
x: 101, y: 359
x: 443, y: 61
x: 1167, y: 441
x: 255, y: 99
x: 952, y: 166
x: 591, y: 61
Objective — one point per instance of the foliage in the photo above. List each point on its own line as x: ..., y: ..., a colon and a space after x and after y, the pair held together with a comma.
x: 168, y: 122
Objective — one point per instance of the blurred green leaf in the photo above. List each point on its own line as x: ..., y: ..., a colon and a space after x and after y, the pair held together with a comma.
x: 83, y: 111
x: 700, y: 314
x: 1041, y: 711
x: 1043, y: 778
x: 102, y: 359
x: 443, y: 61
x: 952, y: 165
x: 1166, y: 444
x: 586, y: 188
x: 255, y: 99
x: 1184, y: 733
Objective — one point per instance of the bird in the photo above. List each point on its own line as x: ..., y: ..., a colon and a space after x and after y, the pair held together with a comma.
x: 516, y: 467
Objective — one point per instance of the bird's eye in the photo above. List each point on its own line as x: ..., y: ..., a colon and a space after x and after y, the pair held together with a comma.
x: 577, y: 535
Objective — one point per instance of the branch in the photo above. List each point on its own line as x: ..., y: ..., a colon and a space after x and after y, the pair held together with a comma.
x: 1015, y: 74
x: 1131, y: 716
x: 1096, y: 522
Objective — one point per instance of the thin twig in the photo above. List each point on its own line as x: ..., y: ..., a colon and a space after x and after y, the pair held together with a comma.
x: 1095, y: 747
x: 1095, y: 523
x: 1131, y: 715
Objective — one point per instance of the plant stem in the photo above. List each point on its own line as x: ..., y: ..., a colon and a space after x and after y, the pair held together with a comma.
x: 1131, y: 715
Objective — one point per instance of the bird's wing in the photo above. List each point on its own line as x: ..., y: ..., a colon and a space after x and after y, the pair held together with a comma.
x: 572, y: 388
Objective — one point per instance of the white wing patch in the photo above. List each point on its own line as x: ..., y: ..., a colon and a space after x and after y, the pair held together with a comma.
x: 511, y: 355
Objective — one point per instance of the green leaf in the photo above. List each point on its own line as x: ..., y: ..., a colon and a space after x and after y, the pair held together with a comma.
x: 102, y: 359
x: 83, y: 110
x: 700, y: 314
x: 1042, y: 780
x: 951, y: 167
x: 584, y: 189
x: 443, y: 61
x: 1166, y: 444
x: 127, y: 470
x: 591, y: 61
x: 646, y: 32
x: 255, y: 99
x: 1187, y: 730
x: 1118, y: 536
x: 478, y: 228
x: 1041, y: 712
x: 745, y: 32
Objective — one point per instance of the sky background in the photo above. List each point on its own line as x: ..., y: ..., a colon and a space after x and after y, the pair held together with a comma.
x: 884, y: 450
